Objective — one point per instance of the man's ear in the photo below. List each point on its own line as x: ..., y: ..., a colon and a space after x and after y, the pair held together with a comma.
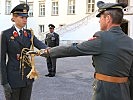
x: 108, y: 19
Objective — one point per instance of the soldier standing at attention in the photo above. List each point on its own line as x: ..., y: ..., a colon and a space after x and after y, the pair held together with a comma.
x: 112, y: 52
x: 13, y: 41
x: 51, y: 40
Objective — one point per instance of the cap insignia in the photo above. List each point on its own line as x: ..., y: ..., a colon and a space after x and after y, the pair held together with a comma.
x: 25, y: 6
x: 24, y: 11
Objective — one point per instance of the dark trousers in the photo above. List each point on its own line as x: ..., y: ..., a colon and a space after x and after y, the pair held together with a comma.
x: 131, y: 87
x: 22, y: 93
x: 110, y: 91
x: 51, y: 65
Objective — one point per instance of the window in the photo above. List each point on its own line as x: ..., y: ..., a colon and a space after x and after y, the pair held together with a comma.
x: 30, y: 9
x: 0, y: 6
x: 41, y: 28
x: 90, y: 6
x: 8, y: 7
x: 54, y: 7
x: 42, y: 9
x: 71, y: 6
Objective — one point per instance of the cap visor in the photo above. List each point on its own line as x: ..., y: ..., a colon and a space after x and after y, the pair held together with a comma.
x: 24, y: 15
x: 98, y: 15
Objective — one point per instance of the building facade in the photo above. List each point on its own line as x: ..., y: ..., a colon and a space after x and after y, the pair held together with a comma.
x: 61, y: 13
x: 44, y: 12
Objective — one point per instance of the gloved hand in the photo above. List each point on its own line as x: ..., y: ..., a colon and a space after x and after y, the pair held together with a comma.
x: 44, y: 52
x: 7, y: 91
x: 32, y: 52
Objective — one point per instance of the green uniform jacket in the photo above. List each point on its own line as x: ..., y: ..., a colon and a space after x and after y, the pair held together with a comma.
x: 52, y: 40
x: 112, y: 53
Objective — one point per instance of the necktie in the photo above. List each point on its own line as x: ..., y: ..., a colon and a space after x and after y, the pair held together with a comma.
x: 21, y: 34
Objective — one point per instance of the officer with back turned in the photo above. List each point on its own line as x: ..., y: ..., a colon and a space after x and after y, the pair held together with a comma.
x: 112, y: 52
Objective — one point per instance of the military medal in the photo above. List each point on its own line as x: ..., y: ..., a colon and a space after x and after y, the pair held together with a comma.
x: 12, y: 37
x: 52, y: 38
x: 25, y: 34
x: 15, y: 33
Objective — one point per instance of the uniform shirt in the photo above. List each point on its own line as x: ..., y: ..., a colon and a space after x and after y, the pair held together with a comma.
x: 18, y: 30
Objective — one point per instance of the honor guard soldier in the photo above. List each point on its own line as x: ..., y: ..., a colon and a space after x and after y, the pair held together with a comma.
x: 13, y: 41
x: 51, y: 40
x: 112, y: 52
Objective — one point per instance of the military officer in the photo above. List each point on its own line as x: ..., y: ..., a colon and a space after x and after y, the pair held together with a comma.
x: 112, y: 52
x: 13, y: 41
x: 51, y: 40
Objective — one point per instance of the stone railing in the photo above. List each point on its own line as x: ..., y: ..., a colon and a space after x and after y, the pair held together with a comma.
x: 76, y: 25
x: 71, y: 27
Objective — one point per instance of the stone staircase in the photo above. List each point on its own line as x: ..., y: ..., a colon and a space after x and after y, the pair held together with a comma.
x: 71, y: 28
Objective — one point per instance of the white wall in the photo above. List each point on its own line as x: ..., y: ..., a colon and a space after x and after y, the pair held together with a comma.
x: 62, y: 18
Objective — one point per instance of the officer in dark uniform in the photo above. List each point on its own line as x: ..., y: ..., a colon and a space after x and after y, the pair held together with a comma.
x: 112, y: 52
x: 13, y: 41
x: 51, y: 40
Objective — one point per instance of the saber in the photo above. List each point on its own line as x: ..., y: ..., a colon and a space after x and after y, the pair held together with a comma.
x: 33, y: 73
x: 29, y: 59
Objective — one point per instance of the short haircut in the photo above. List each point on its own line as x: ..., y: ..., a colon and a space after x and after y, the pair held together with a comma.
x: 116, y: 14
x: 15, y: 15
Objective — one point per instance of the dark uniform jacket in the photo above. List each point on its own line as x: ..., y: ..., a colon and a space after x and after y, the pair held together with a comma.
x: 52, y: 39
x: 112, y: 52
x: 12, y: 46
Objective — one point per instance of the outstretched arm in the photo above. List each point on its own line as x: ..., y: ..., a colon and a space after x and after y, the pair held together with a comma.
x: 90, y: 47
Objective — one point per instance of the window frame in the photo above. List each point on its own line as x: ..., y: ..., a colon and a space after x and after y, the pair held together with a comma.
x: 31, y: 10
x: 55, y: 8
x: 90, y: 6
x: 0, y: 6
x: 8, y: 7
x: 42, y: 9
x: 41, y: 28
x: 71, y: 7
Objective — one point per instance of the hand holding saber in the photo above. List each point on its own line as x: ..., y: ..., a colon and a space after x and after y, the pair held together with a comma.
x: 42, y: 52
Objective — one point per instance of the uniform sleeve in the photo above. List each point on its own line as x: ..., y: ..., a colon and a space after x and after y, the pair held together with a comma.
x: 57, y: 40
x: 39, y: 44
x: 45, y: 39
x: 90, y: 47
x: 3, y: 71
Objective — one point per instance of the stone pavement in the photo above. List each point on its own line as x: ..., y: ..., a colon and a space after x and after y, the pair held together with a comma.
x: 73, y: 80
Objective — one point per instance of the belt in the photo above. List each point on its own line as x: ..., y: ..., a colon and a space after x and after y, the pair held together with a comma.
x: 110, y: 78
